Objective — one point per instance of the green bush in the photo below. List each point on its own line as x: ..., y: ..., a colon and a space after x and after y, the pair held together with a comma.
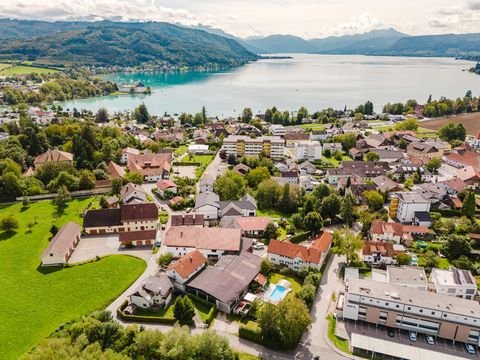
x: 448, y: 212
x: 248, y: 333
x: 298, y: 238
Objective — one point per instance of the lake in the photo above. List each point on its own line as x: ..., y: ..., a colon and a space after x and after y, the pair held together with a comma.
x: 314, y: 81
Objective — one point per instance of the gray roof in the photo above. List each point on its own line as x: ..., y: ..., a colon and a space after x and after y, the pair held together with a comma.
x: 407, y: 275
x: 206, y: 180
x: 411, y: 296
x: 411, y: 197
x: 207, y: 198
x: 229, y: 277
x: 155, y: 285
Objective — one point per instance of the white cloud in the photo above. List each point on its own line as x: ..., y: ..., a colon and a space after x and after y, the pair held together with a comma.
x: 360, y: 24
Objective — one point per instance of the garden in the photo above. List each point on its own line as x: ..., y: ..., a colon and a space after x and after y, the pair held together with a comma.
x: 41, y: 299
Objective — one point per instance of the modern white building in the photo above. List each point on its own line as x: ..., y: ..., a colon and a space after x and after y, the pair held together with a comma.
x: 278, y: 130
x: 454, y: 282
x: 198, y: 149
x: 405, y: 206
x: 308, y: 150
x: 240, y: 146
x: 207, y: 204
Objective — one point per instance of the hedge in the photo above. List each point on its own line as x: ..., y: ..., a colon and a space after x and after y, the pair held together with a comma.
x: 447, y: 212
x: 254, y: 335
x: 137, y: 318
x: 298, y: 238
x: 186, y: 163
x: 213, y: 308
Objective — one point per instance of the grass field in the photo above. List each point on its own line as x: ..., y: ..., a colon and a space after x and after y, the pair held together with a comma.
x: 4, y: 66
x: 312, y: 126
x: 470, y: 121
x: 245, y: 356
x: 274, y: 214
x: 24, y: 70
x: 334, y: 162
x: 35, y: 301
x: 296, y: 283
x: 201, y: 159
x: 339, y: 343
x: 165, y: 313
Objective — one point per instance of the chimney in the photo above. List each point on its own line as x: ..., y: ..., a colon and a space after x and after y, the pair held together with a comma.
x: 191, y: 260
x: 181, y: 234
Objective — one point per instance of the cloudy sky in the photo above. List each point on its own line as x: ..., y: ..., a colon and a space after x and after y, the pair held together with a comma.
x: 306, y: 18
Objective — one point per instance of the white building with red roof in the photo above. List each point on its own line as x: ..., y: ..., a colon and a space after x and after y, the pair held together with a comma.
x: 396, y: 232
x: 166, y: 185
x: 153, y: 167
x: 296, y: 256
x: 185, y: 268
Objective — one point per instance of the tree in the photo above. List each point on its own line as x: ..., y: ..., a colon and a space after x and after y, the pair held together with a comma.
x: 372, y: 156
x: 61, y: 199
x: 347, y: 209
x: 347, y: 243
x: 64, y: 179
x: 348, y: 141
x: 330, y: 206
x: 268, y: 193
x: 141, y: 114
x: 285, y: 323
x: 456, y: 246
x: 103, y: 202
x: 407, y: 124
x: 102, y: 115
x: 184, y: 310
x: 165, y: 259
x: 247, y: 115
x: 267, y: 267
x: 321, y: 191
x: 453, y: 133
x: 230, y: 186
x: 403, y: 259
x: 8, y: 224
x: 134, y: 177
x: 307, y: 294
x: 434, y: 164
x: 204, y: 115
x: 430, y: 259
x: 86, y: 181
x: 256, y: 176
x: 268, y: 115
x: 469, y: 205
x: 271, y: 232
x: 289, y: 198
x: 116, y: 186
x: 313, y: 222
x: 374, y: 199
x: 302, y: 114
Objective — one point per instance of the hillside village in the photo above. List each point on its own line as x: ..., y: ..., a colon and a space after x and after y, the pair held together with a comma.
x: 241, y: 215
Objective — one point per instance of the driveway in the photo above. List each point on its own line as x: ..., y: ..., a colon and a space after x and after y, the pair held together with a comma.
x: 91, y: 246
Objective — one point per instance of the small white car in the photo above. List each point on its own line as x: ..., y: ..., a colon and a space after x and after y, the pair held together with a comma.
x: 469, y: 348
x: 259, y: 246
x: 412, y: 336
x: 429, y: 339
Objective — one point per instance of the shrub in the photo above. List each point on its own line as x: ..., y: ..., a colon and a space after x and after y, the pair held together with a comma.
x: 298, y: 238
x: 165, y: 259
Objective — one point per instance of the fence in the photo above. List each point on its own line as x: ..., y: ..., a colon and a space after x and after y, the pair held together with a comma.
x: 79, y: 193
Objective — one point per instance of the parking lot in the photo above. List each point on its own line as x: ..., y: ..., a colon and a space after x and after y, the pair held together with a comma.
x: 91, y: 246
x: 402, y: 337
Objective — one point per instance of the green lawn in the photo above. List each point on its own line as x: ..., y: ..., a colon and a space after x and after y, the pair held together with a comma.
x: 202, y: 159
x: 24, y: 70
x: 274, y: 214
x: 312, y: 126
x: 166, y: 313
x: 181, y: 150
x: 245, y: 356
x: 339, y: 343
x: 4, y: 66
x: 35, y: 301
x: 334, y: 162
x: 202, y: 309
x: 296, y: 283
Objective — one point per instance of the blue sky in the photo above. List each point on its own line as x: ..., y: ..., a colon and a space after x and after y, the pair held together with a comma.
x: 306, y: 18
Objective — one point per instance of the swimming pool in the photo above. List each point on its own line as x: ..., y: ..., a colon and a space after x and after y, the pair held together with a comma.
x: 277, y: 293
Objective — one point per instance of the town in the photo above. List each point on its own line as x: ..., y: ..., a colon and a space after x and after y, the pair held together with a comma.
x: 332, y: 235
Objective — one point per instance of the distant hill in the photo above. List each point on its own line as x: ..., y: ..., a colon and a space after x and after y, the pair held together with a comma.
x: 220, y: 32
x: 375, y: 42
x: 113, y: 43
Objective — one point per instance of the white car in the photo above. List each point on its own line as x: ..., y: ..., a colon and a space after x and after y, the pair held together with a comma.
x: 412, y: 336
x: 430, y: 340
x: 469, y: 348
x: 259, y: 246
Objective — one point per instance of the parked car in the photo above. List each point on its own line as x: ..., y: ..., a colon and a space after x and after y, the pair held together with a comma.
x: 391, y: 332
x: 259, y: 246
x: 188, y: 210
x: 413, y: 336
x: 469, y: 348
x: 429, y: 339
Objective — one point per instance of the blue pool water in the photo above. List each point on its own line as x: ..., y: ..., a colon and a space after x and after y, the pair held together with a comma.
x: 278, y: 293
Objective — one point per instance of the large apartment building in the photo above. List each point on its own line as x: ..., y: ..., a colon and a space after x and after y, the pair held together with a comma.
x: 454, y: 282
x: 407, y: 206
x: 239, y: 146
x: 411, y: 309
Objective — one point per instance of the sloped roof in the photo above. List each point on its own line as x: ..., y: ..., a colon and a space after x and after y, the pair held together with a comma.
x: 166, y: 184
x: 204, y: 238
x: 127, y: 236
x: 115, y: 170
x: 53, y: 155
x: 101, y: 218
x: 63, y: 240
x: 323, y: 241
x: 292, y: 251
x: 145, y: 211
x: 253, y: 223
x: 188, y: 263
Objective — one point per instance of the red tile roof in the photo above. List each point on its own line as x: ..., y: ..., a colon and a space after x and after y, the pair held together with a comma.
x: 63, y: 240
x: 129, y: 236
x: 53, y: 155
x: 187, y: 264
x: 292, y: 251
x: 253, y: 223
x: 380, y: 227
x: 115, y: 170
x: 323, y: 242
x: 204, y: 238
x: 132, y: 212
x: 384, y: 248
x: 166, y: 184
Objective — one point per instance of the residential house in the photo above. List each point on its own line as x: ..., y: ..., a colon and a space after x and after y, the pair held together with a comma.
x: 62, y: 245
x: 308, y: 150
x: 127, y: 153
x: 133, y: 193
x: 166, y: 185
x: 131, y: 217
x: 381, y: 231
x: 376, y: 253
x: 241, y: 169
x: 406, y: 171
x: 296, y: 256
x: 212, y: 242
x: 154, y: 293
x: 115, y: 171
x: 206, y: 184
x: 320, y: 135
x: 405, y: 206
x: 464, y: 159
x: 424, y: 149
x: 250, y: 226
x: 207, y: 204
x: 198, y: 149
x: 332, y: 147
x: 153, y: 167
x: 137, y: 238
x: 307, y: 167
x: 364, y: 169
x: 293, y: 138
x: 226, y: 283
x: 53, y: 156
x: 246, y: 206
x: 373, y: 141
x: 454, y: 282
x: 385, y: 185
x: 469, y: 175
x: 185, y: 268
x: 452, y: 186
x: 287, y: 177
x: 389, y: 156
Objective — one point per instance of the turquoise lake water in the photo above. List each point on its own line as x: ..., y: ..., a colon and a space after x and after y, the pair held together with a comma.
x: 314, y: 81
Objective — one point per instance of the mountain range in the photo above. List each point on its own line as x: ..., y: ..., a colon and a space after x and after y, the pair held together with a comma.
x: 108, y: 43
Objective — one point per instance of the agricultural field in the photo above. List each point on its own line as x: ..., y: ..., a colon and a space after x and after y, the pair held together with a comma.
x: 38, y: 300
x: 8, y: 70
x: 470, y: 121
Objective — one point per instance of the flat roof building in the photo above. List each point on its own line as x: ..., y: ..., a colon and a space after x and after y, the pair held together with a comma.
x: 454, y: 282
x: 240, y: 146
